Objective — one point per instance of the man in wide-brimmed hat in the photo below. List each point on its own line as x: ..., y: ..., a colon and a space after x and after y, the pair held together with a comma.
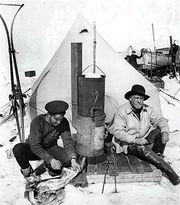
x: 142, y: 132
x: 45, y: 130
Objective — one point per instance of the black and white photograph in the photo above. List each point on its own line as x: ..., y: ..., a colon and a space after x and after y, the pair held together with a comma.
x: 89, y: 102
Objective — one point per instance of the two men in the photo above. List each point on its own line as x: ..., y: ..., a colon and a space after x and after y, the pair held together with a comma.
x: 142, y: 132
x: 45, y: 130
x: 136, y: 127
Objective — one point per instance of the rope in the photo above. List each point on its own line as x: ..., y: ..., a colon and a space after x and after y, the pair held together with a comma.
x: 36, y: 108
x: 169, y: 95
x: 2, y: 4
x: 96, y: 67
x: 6, y: 105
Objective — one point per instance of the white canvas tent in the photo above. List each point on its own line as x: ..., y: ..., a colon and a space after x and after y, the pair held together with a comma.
x: 54, y: 83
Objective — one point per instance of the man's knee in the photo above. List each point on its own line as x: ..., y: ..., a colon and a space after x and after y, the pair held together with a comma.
x: 20, y: 149
x: 154, y: 135
x: 17, y: 149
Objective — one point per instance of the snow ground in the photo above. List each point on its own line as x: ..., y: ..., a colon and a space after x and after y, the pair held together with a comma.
x: 12, y: 183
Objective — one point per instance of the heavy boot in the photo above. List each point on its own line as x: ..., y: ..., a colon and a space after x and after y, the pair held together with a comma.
x: 27, y: 171
x: 157, y: 161
x: 40, y: 169
x: 51, y: 171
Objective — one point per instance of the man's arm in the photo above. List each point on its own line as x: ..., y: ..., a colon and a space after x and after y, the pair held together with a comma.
x: 70, y: 149
x: 119, y: 127
x: 35, y: 140
x: 68, y: 144
x: 159, y: 121
x: 140, y: 55
x: 162, y: 123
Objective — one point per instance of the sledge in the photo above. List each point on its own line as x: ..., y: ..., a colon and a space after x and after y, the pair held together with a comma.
x: 45, y: 189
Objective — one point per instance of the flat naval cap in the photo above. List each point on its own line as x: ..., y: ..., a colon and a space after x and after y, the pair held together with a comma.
x: 56, y: 107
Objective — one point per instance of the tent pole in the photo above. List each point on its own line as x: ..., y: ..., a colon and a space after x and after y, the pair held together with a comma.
x: 94, y: 48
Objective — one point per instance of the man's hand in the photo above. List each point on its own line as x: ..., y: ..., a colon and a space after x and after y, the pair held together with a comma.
x: 143, y: 50
x: 75, y: 165
x: 165, y: 137
x: 55, y: 164
x: 141, y: 141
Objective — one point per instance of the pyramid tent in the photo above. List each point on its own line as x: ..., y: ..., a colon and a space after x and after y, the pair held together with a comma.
x: 54, y: 83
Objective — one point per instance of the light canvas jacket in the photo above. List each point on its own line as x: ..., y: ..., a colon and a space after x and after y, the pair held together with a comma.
x: 127, y: 126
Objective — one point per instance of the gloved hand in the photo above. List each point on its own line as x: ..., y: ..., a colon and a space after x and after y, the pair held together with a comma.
x: 75, y: 165
x: 55, y: 164
x: 165, y: 137
x: 141, y: 141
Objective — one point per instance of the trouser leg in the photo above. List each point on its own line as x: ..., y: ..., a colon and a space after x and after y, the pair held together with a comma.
x: 148, y: 155
x: 155, y: 138
x: 23, y: 154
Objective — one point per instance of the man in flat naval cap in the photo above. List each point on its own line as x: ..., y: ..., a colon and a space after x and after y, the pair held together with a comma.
x: 41, y: 143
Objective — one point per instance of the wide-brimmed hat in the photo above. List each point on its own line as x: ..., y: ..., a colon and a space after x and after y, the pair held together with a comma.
x: 136, y: 90
x: 56, y: 107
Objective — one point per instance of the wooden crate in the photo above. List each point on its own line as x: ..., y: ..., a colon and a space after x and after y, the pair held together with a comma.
x: 128, y: 169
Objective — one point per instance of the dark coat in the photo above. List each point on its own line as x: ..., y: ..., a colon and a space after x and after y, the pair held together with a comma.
x: 133, y: 60
x: 43, y: 135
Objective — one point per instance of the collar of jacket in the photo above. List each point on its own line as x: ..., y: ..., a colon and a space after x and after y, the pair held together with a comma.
x: 129, y: 108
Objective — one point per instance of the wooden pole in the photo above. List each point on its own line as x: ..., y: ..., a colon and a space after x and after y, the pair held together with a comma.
x: 19, y: 91
x: 11, y: 58
x: 94, y: 49
x: 171, y: 54
x: 153, y: 37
